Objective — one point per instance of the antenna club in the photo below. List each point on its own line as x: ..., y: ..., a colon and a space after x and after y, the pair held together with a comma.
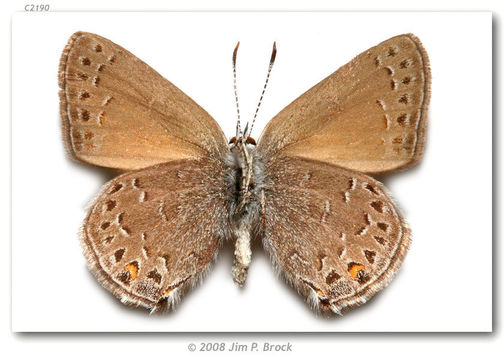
x: 238, y: 127
x: 273, y: 54
x: 235, y: 52
x: 272, y: 60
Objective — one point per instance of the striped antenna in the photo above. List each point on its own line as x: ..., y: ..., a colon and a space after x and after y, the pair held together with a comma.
x: 238, y: 128
x: 272, y: 61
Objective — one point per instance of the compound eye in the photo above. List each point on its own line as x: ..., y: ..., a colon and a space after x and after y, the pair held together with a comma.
x: 232, y: 140
x: 250, y: 141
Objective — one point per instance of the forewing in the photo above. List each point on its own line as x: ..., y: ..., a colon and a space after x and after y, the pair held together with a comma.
x: 118, y: 112
x: 333, y: 233
x: 151, y: 234
x: 369, y: 115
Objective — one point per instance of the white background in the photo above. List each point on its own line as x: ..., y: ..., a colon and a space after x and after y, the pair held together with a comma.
x: 376, y: 346
x: 445, y: 283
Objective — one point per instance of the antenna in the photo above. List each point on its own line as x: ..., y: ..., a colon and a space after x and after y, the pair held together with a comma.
x: 238, y: 128
x: 272, y: 61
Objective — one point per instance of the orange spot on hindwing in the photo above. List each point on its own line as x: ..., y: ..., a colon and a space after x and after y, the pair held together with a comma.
x: 354, y: 269
x: 132, y: 268
x: 167, y: 292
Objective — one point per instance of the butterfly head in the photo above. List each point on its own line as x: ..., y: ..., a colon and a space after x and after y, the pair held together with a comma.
x: 248, y: 141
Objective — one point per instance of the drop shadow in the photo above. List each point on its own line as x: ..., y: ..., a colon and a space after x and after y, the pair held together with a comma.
x: 496, y: 170
x: 104, y: 174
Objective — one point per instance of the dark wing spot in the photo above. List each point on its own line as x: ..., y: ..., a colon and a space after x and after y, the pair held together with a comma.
x: 119, y: 254
x: 377, y: 205
x: 332, y: 277
x: 116, y: 188
x: 382, y: 226
x: 111, y: 204
x: 154, y: 275
x: 370, y: 256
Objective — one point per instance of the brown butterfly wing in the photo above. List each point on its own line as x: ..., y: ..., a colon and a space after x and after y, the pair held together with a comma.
x: 118, y: 112
x: 333, y: 233
x: 152, y: 233
x: 369, y: 115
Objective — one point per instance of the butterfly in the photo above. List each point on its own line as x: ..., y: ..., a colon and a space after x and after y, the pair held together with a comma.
x: 331, y: 231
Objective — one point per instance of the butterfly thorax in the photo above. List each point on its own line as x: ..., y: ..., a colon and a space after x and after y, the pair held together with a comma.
x: 247, y: 203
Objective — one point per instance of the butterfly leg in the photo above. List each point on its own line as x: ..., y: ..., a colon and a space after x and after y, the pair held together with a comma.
x: 248, y: 158
x: 246, y: 178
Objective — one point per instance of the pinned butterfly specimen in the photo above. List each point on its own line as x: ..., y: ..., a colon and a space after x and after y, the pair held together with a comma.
x: 332, y: 231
